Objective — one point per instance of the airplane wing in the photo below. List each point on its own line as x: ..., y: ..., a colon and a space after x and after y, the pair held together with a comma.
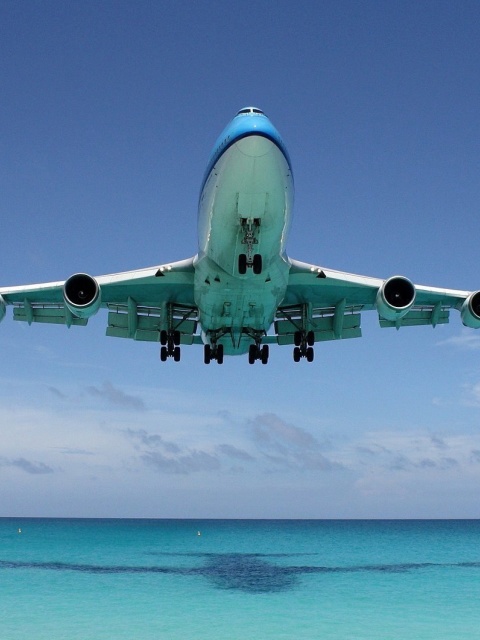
x: 141, y: 304
x: 329, y: 304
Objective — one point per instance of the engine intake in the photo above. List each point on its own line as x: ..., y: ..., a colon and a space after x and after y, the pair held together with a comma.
x: 395, y: 298
x: 470, y: 312
x: 82, y: 295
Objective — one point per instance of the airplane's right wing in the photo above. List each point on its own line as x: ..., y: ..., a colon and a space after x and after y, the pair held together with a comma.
x: 329, y: 303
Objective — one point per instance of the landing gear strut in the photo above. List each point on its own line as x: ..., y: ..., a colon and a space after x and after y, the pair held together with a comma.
x: 170, y: 341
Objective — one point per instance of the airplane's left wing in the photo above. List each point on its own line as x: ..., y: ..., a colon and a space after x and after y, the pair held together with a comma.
x: 329, y: 304
x: 141, y: 304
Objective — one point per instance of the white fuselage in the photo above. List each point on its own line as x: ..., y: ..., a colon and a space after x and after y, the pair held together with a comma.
x: 250, y: 181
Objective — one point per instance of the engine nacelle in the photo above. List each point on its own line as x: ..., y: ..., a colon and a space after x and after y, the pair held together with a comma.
x: 395, y: 298
x: 470, y: 311
x: 82, y: 295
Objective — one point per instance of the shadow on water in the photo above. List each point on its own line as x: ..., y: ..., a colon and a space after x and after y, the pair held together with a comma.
x: 248, y: 572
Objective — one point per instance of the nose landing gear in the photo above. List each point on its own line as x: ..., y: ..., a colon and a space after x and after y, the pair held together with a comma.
x: 250, y: 227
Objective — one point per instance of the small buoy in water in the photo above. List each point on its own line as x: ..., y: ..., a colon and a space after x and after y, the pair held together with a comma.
x: 199, y: 533
x: 19, y: 531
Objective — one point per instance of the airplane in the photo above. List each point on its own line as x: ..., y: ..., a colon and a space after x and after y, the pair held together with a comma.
x: 240, y: 293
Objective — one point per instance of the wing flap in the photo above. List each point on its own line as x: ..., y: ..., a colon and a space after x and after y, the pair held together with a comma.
x: 416, y: 318
x: 48, y: 314
x: 146, y: 323
x: 336, y: 323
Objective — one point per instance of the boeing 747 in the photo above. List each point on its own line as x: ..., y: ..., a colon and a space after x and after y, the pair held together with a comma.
x: 240, y: 293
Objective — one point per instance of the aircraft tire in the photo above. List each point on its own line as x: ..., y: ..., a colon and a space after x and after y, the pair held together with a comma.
x: 252, y: 354
x: 257, y: 264
x: 163, y: 337
x: 310, y: 354
x: 296, y: 354
x: 176, y: 354
x: 163, y: 354
x: 265, y: 354
x: 242, y: 264
x: 220, y: 353
x: 310, y: 338
x: 207, y: 354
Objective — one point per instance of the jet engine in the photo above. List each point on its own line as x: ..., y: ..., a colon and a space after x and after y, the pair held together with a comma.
x: 395, y: 298
x: 82, y: 295
x: 470, y: 311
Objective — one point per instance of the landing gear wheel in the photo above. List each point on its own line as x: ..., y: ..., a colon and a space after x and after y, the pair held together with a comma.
x: 264, y: 353
x: 163, y: 337
x: 297, y: 338
x: 309, y: 354
x: 296, y: 354
x: 310, y: 339
x: 220, y: 353
x: 252, y: 354
x: 163, y: 354
x: 176, y: 354
x: 176, y: 337
x: 207, y: 354
x: 242, y: 264
x: 257, y: 264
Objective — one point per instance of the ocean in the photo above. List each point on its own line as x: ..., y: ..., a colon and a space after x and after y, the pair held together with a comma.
x: 239, y: 579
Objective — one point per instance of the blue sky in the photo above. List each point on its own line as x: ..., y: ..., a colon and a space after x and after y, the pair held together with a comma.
x: 107, y: 117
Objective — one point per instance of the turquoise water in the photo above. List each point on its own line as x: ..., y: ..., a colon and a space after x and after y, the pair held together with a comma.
x: 146, y: 579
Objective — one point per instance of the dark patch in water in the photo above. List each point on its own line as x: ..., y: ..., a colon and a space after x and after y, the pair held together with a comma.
x: 248, y: 572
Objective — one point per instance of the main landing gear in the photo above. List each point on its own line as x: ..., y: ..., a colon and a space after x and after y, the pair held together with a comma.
x: 170, y: 341
x: 304, y: 341
x: 257, y: 352
x: 213, y: 352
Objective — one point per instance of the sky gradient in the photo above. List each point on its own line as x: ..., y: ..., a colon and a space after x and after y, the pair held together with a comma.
x: 108, y: 114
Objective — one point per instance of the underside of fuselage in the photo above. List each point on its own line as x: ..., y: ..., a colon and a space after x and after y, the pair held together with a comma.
x: 241, y: 271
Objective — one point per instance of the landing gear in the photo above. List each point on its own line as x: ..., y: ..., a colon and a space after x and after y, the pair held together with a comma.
x: 214, y: 352
x: 250, y: 228
x: 257, y: 352
x: 170, y: 341
x: 255, y: 263
x: 304, y: 341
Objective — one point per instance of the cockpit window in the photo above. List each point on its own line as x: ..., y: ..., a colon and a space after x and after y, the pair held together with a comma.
x: 250, y: 110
